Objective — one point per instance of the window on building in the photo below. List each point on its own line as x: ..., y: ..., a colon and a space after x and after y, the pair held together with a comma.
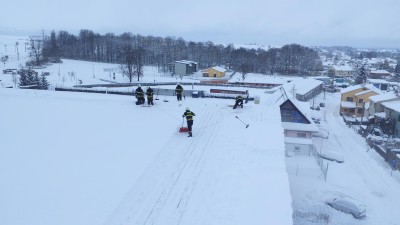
x: 349, y: 99
x: 398, y: 118
x: 351, y: 110
x: 301, y: 135
x: 360, y: 110
x: 360, y: 100
x: 296, y: 148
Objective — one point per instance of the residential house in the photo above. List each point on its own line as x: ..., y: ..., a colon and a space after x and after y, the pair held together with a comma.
x: 392, y: 110
x: 375, y: 102
x: 185, y: 67
x: 306, y: 88
x: 381, y: 84
x: 342, y: 71
x: 298, y: 126
x: 215, y: 71
x: 354, y: 99
x: 379, y: 74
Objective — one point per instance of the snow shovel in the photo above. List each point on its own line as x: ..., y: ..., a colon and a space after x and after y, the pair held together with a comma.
x: 165, y: 99
x: 158, y: 90
x: 247, y: 125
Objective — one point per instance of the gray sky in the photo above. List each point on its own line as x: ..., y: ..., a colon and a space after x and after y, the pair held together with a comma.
x: 357, y: 23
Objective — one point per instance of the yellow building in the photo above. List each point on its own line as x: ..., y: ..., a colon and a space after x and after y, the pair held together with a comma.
x: 354, y: 99
x: 215, y: 71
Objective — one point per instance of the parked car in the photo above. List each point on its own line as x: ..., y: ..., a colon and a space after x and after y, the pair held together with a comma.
x: 348, y: 205
x: 332, y: 156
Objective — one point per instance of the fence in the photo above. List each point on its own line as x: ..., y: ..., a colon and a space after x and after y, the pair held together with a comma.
x: 320, y: 161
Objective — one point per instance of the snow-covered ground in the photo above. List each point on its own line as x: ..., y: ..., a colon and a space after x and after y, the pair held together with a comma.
x: 363, y: 176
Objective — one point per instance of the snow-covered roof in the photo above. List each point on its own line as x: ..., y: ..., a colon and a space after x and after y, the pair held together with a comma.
x: 363, y: 92
x: 186, y: 62
x: 383, y: 97
x: 380, y: 114
x: 343, y: 68
x: 378, y: 81
x: 303, y: 141
x: 219, y: 69
x: 380, y: 72
x: 395, y: 105
x: 359, y: 86
x: 305, y: 85
x: 346, y: 104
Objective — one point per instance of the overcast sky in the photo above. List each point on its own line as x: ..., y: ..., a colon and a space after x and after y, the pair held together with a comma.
x: 357, y: 23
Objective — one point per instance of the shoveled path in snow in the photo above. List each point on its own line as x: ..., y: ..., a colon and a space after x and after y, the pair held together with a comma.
x: 223, y: 175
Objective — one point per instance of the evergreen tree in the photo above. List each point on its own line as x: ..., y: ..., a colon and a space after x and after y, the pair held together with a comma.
x: 362, y: 76
x: 44, y: 84
x: 23, y: 79
x: 36, y: 80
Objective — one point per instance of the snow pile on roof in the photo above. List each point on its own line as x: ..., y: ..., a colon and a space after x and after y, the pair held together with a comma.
x: 363, y: 92
x: 383, y: 97
x: 305, y: 85
x: 219, y: 69
x: 359, y: 86
x: 392, y: 105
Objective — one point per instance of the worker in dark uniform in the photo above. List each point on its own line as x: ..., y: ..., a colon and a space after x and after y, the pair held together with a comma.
x: 150, y: 94
x: 238, y: 102
x: 178, y: 91
x: 139, y: 94
x: 189, y: 119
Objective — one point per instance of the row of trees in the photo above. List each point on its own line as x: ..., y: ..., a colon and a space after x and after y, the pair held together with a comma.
x: 30, y: 77
x: 134, y: 51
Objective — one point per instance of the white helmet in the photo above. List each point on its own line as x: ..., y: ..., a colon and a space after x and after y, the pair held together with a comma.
x: 178, y: 83
x: 187, y: 108
x: 139, y: 85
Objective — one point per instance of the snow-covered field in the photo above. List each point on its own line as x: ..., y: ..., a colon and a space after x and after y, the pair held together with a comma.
x: 89, y: 159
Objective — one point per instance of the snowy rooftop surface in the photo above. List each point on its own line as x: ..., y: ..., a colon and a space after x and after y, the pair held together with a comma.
x: 186, y: 62
x: 358, y: 86
x: 303, y: 86
x: 383, y: 97
x: 131, y: 163
x: 395, y: 105
x: 380, y: 72
x: 260, y: 78
x: 380, y: 114
x: 343, y: 68
x: 379, y: 81
x: 363, y: 92
x: 219, y: 69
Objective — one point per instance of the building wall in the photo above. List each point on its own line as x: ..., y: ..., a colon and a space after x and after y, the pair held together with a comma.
x: 299, y: 149
x: 393, y: 114
x: 296, y: 134
x: 180, y: 69
x: 215, y: 73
